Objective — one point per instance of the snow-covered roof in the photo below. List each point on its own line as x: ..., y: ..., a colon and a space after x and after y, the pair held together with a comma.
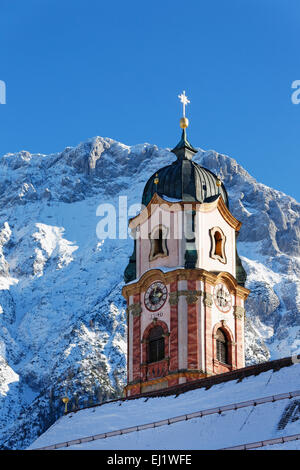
x: 251, y: 409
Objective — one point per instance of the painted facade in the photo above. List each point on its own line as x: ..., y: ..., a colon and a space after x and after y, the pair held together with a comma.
x: 185, y: 307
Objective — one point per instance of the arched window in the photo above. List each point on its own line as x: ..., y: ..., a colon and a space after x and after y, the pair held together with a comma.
x: 158, y: 244
x: 218, y: 241
x: 158, y: 241
x: 222, y: 347
x: 156, y: 344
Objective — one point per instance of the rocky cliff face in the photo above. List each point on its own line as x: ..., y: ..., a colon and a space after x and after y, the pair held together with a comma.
x: 62, y: 316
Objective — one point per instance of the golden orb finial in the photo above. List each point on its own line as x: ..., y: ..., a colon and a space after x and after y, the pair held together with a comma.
x: 156, y: 179
x: 65, y: 400
x: 218, y: 182
x: 184, y: 122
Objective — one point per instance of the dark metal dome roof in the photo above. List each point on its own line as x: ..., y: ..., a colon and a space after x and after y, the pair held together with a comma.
x: 184, y: 179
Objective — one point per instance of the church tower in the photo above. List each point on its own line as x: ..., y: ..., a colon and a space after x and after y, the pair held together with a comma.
x: 184, y: 282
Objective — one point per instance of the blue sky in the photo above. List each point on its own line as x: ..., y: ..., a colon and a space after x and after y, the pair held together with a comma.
x: 75, y: 69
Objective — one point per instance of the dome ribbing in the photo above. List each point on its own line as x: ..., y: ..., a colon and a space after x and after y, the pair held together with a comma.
x: 184, y: 179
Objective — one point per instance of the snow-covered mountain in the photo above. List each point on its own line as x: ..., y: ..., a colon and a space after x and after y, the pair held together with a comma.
x: 62, y: 316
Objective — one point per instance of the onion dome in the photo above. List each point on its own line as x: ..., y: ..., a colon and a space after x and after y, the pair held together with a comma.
x: 184, y: 179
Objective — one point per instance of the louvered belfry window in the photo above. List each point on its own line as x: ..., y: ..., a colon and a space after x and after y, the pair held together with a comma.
x: 156, y: 344
x: 222, y: 347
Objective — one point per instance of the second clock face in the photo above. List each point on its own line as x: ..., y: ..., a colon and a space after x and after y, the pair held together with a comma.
x: 222, y: 298
x: 156, y: 296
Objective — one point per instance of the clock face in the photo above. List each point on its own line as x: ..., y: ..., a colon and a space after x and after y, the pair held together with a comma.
x: 156, y: 296
x: 222, y: 298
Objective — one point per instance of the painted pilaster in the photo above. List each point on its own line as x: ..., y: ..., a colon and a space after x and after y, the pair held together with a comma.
x: 193, y: 351
x: 207, y: 303
x: 136, y: 341
x: 201, y: 327
x: 239, y: 314
x: 173, y: 300
x: 182, y: 327
x: 130, y: 343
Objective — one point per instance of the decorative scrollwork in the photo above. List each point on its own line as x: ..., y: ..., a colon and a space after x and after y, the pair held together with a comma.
x: 135, y: 309
x: 208, y: 299
x: 191, y: 296
x: 173, y: 298
x: 239, y: 312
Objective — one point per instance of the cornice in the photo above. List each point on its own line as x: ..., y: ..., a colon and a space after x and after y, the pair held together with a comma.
x: 179, y: 206
x: 227, y: 215
x: 180, y: 274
